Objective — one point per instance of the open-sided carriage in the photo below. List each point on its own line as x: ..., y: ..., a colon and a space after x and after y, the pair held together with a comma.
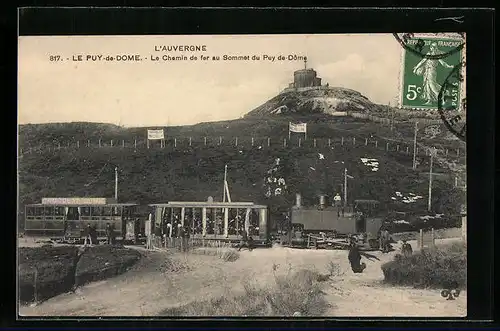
x: 210, y: 220
x: 67, y: 218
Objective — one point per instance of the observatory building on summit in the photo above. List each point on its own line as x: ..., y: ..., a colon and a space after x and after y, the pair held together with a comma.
x: 306, y: 77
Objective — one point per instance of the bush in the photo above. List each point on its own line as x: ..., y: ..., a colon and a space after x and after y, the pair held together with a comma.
x: 293, y: 294
x: 443, y: 267
x: 223, y: 251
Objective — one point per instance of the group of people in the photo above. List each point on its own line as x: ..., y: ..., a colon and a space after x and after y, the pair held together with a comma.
x: 90, y: 234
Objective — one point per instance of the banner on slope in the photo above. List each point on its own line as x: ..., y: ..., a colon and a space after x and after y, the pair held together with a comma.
x: 298, y: 128
x: 155, y: 134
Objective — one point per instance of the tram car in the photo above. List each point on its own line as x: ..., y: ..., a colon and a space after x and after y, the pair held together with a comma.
x: 211, y: 220
x: 364, y: 216
x: 67, y: 218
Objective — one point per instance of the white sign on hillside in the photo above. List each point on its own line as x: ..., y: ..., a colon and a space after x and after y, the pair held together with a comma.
x: 300, y: 127
x: 155, y: 134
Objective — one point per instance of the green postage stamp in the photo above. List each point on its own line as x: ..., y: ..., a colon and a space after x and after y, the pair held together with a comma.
x: 426, y: 63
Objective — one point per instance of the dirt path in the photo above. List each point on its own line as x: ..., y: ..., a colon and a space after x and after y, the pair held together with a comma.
x: 147, y: 288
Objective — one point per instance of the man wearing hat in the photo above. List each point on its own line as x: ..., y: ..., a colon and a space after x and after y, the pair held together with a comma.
x: 355, y: 258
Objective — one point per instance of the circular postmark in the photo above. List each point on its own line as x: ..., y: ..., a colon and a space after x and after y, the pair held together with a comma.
x: 452, y: 110
x: 416, y: 45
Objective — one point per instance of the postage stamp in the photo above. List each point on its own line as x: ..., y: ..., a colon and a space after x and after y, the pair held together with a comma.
x: 241, y: 175
x: 426, y: 63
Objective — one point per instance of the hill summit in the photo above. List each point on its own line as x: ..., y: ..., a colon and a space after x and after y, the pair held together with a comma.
x: 315, y: 100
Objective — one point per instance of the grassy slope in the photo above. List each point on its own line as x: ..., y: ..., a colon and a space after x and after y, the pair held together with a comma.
x: 193, y: 173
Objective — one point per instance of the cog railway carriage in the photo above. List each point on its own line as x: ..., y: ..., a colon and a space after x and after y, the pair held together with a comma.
x: 212, y: 220
x: 68, y: 217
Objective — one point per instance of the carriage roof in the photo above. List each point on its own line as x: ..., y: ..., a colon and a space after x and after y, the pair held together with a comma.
x: 198, y: 204
x: 130, y: 204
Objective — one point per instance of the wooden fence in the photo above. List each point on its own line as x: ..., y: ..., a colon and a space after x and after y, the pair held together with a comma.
x: 403, y: 147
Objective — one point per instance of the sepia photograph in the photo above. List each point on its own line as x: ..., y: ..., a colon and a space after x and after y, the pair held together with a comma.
x: 278, y: 175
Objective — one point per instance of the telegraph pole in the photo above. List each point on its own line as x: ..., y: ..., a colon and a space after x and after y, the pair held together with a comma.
x: 345, y: 187
x: 415, y: 147
x: 430, y: 181
x: 224, y: 187
x: 116, y: 184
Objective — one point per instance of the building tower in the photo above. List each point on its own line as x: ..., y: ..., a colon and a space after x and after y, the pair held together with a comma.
x: 306, y: 77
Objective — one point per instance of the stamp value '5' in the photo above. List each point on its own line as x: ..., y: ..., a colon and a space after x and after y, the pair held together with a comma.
x: 424, y: 71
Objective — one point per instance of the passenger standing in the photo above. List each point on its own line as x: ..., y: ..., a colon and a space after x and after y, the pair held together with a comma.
x: 337, y: 201
x: 108, y: 234
x: 385, y: 237
x: 86, y: 233
x: 406, y: 249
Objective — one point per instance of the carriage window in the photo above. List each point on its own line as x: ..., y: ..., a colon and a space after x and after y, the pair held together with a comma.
x: 197, y: 223
x: 106, y: 211
x: 49, y: 211
x: 96, y: 211
x: 234, y: 221
x: 210, y: 221
x: 116, y: 211
x: 38, y: 211
x: 254, y: 222
x: 59, y: 211
x: 84, y: 211
x: 30, y: 211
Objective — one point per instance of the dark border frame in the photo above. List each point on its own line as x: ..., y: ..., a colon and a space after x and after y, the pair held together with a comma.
x: 477, y: 23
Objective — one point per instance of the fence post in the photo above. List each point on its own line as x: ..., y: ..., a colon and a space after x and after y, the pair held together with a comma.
x: 416, y: 151
x: 99, y: 142
x: 135, y: 143
x: 386, y: 146
x: 329, y: 142
x: 111, y: 142
x: 458, y: 152
x: 407, y: 150
x: 446, y: 152
x: 88, y: 143
x: 397, y: 148
x: 78, y: 144
x: 175, y: 142
x: 420, y: 242
x: 58, y: 146
x: 268, y: 142
x: 354, y: 141
x: 366, y: 141
x: 284, y: 142
x: 252, y: 141
x: 236, y: 141
x: 123, y: 143
x: 376, y: 143
x: 190, y: 141
x: 299, y: 141
x: 456, y: 181
x: 205, y: 141
x: 220, y: 140
x: 342, y: 141
x: 21, y: 151
x: 314, y: 142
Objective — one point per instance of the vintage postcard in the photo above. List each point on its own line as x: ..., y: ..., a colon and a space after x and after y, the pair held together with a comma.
x: 242, y: 175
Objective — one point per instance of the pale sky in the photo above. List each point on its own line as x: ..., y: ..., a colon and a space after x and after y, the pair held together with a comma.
x: 161, y: 93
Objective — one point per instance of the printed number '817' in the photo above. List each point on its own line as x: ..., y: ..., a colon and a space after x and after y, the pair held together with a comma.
x: 412, y: 92
x: 55, y: 58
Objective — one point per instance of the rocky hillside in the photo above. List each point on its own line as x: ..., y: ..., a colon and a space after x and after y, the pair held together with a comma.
x: 325, y: 100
